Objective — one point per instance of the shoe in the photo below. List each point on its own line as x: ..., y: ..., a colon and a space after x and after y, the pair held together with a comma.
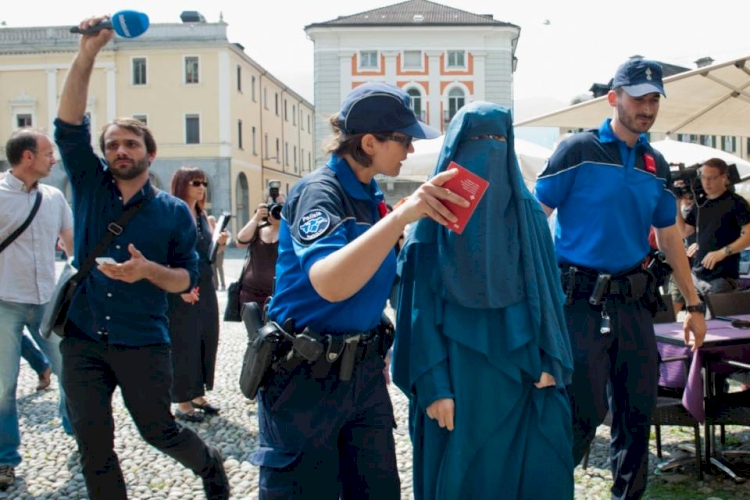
x: 222, y: 289
x: 192, y: 416
x: 8, y: 474
x: 216, y: 483
x: 45, y: 378
x: 206, y: 408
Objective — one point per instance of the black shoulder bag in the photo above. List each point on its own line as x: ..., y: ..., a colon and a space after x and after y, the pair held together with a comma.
x: 233, y: 310
x: 15, y: 234
x: 56, y: 312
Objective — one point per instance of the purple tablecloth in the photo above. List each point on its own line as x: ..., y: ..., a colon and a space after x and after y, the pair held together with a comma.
x: 672, y: 374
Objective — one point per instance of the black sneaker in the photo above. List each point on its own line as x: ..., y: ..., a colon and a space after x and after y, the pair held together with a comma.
x: 216, y: 483
x: 8, y: 474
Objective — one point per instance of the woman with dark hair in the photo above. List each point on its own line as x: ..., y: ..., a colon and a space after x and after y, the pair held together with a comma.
x: 194, y: 316
x: 261, y: 236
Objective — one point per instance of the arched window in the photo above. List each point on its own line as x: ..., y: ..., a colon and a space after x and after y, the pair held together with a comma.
x: 242, y: 200
x: 416, y: 102
x: 456, y: 100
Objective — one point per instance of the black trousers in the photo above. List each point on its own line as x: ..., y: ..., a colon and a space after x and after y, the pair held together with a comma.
x: 617, y: 371
x: 91, y: 371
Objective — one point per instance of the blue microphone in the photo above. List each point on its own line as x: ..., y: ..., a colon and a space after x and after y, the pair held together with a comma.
x: 126, y: 23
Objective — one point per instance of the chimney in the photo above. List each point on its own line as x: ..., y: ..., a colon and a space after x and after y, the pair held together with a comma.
x: 192, y: 16
x: 703, y: 62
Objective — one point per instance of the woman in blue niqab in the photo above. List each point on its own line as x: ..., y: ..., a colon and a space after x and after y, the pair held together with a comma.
x: 480, y: 320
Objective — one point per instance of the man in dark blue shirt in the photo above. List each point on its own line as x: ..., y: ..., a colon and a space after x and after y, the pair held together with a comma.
x: 116, y: 333
x: 610, y: 187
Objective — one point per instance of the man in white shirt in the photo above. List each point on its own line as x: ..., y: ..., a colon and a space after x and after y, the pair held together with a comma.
x: 27, y: 275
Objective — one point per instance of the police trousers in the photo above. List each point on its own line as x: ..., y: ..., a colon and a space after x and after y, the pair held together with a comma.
x: 324, y: 439
x: 617, y: 371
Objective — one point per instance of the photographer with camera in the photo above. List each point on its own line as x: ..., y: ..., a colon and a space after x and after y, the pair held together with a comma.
x: 721, y: 225
x: 261, y: 235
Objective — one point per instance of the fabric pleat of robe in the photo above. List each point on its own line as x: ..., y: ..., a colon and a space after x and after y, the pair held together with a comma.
x: 480, y: 317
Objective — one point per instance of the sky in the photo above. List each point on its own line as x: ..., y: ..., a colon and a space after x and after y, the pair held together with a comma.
x: 564, y: 47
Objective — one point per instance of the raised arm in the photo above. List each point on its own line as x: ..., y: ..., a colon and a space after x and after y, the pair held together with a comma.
x: 75, y: 91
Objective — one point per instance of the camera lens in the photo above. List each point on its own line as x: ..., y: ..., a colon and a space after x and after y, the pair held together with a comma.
x: 275, y: 211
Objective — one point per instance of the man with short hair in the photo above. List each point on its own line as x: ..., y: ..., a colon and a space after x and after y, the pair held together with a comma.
x: 609, y: 187
x: 27, y: 275
x: 722, y: 221
x: 117, y: 329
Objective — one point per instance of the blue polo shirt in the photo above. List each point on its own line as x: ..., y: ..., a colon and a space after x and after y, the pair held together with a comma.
x: 326, y: 210
x: 607, y: 196
x: 163, y: 230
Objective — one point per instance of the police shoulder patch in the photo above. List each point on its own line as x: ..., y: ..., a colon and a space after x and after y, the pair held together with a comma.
x: 313, y: 224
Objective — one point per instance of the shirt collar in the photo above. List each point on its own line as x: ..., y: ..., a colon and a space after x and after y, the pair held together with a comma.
x: 350, y: 182
x: 606, y: 134
x: 15, y: 183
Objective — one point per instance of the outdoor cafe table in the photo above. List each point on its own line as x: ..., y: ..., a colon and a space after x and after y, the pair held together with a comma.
x: 722, y: 340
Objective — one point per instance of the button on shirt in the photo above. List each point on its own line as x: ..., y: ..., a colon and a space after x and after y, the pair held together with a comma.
x: 132, y: 314
x: 27, y: 266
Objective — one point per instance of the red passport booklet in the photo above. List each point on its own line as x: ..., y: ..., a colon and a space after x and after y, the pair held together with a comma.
x: 469, y: 186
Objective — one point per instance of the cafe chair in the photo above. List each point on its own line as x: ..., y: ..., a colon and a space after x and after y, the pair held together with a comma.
x: 726, y: 408
x: 728, y: 303
x: 669, y: 411
x: 668, y: 315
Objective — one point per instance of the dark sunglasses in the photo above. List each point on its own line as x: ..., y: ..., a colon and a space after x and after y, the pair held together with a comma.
x: 741, y: 323
x: 199, y: 183
x: 404, y: 140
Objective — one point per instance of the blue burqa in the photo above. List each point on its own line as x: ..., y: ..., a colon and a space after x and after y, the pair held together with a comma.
x: 480, y: 316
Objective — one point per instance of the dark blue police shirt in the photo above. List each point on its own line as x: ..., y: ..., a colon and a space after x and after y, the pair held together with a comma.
x: 324, y: 211
x: 163, y: 230
x: 607, y: 197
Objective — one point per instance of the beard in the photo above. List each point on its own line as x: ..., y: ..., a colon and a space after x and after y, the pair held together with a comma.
x: 632, y: 122
x: 128, y: 173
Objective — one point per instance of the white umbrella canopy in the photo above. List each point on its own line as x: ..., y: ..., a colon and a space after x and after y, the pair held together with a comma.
x: 691, y: 154
x: 714, y: 100
x: 419, y: 165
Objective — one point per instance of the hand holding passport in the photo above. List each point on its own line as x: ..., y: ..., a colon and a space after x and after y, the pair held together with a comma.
x: 470, y: 187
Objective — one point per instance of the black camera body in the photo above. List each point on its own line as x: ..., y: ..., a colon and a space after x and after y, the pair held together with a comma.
x: 274, y: 210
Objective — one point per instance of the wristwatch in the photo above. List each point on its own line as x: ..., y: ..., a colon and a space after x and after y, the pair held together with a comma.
x: 700, y: 307
x: 728, y: 250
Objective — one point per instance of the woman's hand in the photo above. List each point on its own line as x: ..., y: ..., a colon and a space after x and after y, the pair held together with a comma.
x: 443, y: 411
x: 546, y: 380
x: 223, y: 237
x: 426, y: 201
x: 260, y: 213
x: 191, y: 297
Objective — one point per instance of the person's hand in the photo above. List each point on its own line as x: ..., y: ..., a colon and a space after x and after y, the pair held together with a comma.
x: 695, y: 323
x: 713, y: 258
x: 223, y: 237
x: 425, y: 201
x: 260, y: 213
x: 130, y: 271
x: 192, y: 296
x: 691, y: 250
x: 443, y: 411
x: 92, y: 44
x: 546, y: 380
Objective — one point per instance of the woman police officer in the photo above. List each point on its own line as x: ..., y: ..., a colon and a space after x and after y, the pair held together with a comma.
x: 324, y: 433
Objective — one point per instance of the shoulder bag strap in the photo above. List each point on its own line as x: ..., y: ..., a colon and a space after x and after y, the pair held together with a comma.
x: 10, y: 239
x: 113, y: 229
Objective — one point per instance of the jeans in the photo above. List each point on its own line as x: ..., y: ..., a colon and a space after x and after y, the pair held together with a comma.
x: 36, y: 358
x: 13, y: 318
x: 92, y: 371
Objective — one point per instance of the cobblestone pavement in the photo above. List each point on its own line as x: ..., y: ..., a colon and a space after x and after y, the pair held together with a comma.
x: 50, y: 470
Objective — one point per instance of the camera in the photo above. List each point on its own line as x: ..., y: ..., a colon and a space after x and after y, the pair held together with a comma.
x: 685, y: 181
x: 274, y: 210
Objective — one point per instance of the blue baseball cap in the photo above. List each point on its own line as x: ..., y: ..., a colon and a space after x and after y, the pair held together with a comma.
x: 639, y: 77
x: 380, y: 107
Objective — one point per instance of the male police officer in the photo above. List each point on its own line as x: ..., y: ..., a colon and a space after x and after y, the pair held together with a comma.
x: 609, y: 186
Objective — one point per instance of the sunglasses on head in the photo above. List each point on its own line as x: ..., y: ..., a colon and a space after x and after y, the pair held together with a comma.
x: 199, y: 183
x: 404, y: 140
